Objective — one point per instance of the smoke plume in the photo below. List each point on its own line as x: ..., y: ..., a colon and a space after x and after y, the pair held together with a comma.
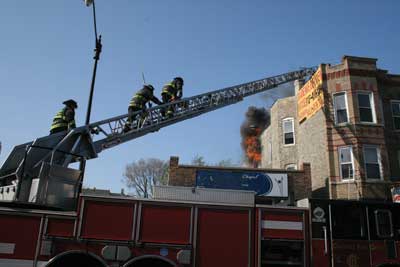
x: 281, y: 91
x: 257, y: 119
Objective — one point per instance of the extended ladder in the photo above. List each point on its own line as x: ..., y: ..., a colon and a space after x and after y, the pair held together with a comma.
x: 51, y: 155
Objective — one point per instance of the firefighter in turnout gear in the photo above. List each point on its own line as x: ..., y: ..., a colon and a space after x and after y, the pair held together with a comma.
x: 138, y: 103
x: 172, y: 92
x: 65, y: 119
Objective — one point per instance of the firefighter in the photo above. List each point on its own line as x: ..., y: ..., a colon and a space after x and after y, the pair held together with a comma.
x: 172, y: 92
x: 65, y: 119
x: 138, y: 103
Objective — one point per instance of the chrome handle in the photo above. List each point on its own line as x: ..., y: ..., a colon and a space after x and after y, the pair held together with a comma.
x: 325, y: 240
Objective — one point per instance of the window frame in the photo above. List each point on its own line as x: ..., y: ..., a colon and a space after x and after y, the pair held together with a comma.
x: 378, y: 152
x: 339, y: 221
x: 269, y: 151
x: 372, y: 106
x: 340, y: 163
x: 293, y: 167
x: 283, y: 131
x: 393, y: 116
x: 347, y: 107
x: 398, y: 157
x: 377, y: 223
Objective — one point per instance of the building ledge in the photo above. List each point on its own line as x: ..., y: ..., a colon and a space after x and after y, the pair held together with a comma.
x: 239, y: 169
x: 359, y: 59
x: 352, y: 181
x: 344, y: 125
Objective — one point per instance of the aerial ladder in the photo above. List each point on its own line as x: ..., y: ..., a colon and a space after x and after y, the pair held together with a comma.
x: 38, y: 173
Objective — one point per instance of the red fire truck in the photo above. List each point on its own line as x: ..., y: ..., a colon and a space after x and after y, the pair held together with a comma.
x: 130, y: 232
x: 46, y: 222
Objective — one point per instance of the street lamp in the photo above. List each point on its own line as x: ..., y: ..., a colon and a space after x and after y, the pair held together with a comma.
x: 96, y: 58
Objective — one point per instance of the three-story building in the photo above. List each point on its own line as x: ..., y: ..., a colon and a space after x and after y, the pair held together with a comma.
x: 345, y: 121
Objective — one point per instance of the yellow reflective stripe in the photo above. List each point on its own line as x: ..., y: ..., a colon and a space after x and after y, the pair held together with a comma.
x: 135, y: 99
x: 139, y: 96
x: 134, y: 104
x: 166, y: 91
x: 59, y: 125
x: 60, y: 115
x: 59, y: 121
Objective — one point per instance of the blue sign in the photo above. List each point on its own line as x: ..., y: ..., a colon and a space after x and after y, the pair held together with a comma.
x: 259, y: 182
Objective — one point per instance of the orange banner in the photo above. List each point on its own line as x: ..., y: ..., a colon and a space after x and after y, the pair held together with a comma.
x: 310, y: 97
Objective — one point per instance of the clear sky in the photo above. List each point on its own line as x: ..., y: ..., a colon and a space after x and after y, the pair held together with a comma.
x: 46, y: 50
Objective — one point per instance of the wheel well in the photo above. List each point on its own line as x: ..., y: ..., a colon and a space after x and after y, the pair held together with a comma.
x: 76, y: 259
x: 150, y: 261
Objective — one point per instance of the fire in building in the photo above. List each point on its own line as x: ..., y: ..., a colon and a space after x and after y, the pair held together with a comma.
x: 336, y: 139
x: 345, y: 122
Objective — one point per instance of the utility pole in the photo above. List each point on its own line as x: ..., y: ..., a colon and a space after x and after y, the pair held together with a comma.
x: 97, y: 50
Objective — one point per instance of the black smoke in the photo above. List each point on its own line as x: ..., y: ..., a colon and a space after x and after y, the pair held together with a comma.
x: 282, y: 91
x: 257, y: 119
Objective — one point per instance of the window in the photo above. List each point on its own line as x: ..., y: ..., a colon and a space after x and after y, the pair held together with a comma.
x: 291, y: 167
x: 340, y: 105
x: 366, y: 107
x: 288, y: 131
x: 269, y: 157
x: 383, y: 220
x: 348, y: 221
x: 346, y: 162
x: 282, y: 253
x: 372, y: 162
x: 398, y: 158
x: 396, y: 114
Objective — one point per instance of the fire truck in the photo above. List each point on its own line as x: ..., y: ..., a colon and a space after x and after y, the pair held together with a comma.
x: 45, y: 220
x: 131, y: 232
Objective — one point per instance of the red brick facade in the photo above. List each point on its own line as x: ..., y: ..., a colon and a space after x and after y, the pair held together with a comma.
x: 323, y: 138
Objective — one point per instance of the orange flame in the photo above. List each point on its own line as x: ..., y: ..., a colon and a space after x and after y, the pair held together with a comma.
x: 253, y: 145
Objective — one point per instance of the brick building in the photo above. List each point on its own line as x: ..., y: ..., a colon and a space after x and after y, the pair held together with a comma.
x: 299, y: 181
x: 352, y: 141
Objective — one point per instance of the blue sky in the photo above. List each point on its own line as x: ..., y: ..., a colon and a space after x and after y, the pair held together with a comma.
x: 46, y: 51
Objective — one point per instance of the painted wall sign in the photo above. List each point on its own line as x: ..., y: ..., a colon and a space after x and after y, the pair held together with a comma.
x: 264, y: 184
x: 310, y: 97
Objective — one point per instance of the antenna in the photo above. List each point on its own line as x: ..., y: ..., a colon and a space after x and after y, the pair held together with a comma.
x: 144, y: 80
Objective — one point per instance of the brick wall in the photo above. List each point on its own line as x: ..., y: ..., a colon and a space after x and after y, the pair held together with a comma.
x: 355, y: 75
x: 299, y: 182
x: 318, y: 138
x: 390, y: 91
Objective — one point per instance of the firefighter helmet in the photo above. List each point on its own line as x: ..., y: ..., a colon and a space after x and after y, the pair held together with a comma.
x: 71, y: 103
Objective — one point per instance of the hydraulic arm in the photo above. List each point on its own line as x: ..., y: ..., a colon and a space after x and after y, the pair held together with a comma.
x: 35, y: 159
